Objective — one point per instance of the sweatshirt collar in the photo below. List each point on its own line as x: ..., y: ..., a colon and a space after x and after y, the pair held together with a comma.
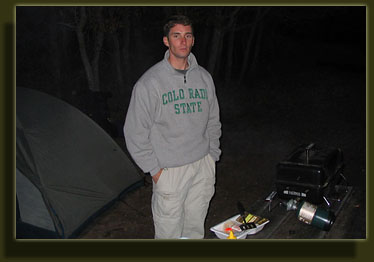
x: 191, y: 61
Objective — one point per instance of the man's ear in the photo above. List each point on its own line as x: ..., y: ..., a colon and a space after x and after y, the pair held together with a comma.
x: 166, y: 41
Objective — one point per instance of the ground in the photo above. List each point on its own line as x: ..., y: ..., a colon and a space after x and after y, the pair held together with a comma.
x: 262, y: 123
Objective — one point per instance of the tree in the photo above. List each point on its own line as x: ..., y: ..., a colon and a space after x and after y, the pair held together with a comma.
x: 253, y: 42
x: 91, y: 65
x: 223, y: 20
x: 227, y: 25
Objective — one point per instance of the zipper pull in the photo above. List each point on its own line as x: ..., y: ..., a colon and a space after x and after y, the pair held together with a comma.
x: 185, y: 81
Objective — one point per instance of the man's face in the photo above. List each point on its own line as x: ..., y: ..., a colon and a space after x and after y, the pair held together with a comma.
x: 179, y: 41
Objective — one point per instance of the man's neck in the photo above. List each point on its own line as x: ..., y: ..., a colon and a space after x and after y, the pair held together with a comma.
x: 180, y: 64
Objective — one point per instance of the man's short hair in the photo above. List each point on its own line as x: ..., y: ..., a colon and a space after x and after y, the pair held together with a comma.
x: 176, y: 20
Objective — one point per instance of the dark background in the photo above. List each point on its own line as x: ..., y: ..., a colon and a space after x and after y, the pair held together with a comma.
x: 255, y: 54
x: 284, y: 76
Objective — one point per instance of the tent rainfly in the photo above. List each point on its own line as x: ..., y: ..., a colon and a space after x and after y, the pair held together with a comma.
x: 68, y: 170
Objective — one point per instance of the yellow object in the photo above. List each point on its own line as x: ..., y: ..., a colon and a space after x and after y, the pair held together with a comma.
x: 249, y: 217
x: 231, y: 236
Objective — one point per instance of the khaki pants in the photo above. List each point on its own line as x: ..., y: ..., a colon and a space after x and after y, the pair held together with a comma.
x: 181, y: 199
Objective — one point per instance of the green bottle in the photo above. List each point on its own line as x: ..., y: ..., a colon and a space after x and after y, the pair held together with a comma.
x: 315, y: 216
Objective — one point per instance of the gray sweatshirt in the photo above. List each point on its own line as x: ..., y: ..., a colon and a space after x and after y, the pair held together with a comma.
x: 173, y: 118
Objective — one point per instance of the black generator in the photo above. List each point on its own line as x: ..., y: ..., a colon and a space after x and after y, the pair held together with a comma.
x: 309, y: 173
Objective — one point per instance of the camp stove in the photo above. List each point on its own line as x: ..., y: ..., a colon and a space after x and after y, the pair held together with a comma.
x: 309, y: 173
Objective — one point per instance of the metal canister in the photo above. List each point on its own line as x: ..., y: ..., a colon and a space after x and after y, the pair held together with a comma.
x: 315, y: 216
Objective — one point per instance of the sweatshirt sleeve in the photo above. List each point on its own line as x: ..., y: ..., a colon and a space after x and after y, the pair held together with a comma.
x: 137, y: 128
x: 214, y: 126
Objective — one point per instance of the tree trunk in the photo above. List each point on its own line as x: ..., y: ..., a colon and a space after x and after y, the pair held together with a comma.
x: 257, y: 47
x: 226, y: 20
x: 244, y: 67
x: 83, y: 50
x: 117, y: 63
x: 230, y: 54
x: 215, y: 49
x: 126, y: 58
x: 56, y: 47
x: 97, y: 50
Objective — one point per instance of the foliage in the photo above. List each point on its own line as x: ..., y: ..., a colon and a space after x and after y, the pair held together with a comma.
x: 237, y: 44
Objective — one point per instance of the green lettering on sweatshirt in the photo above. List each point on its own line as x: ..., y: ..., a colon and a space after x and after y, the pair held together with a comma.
x: 176, y: 107
x: 204, y: 94
x: 190, y: 91
x: 193, y: 104
x: 189, y: 111
x: 188, y: 108
x: 199, y: 109
x: 172, y: 96
x: 197, y: 94
x: 185, y: 107
x: 164, y: 100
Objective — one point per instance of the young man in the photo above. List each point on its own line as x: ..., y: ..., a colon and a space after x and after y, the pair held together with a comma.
x: 172, y: 131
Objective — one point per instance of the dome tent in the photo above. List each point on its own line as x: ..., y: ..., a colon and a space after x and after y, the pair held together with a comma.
x: 68, y: 169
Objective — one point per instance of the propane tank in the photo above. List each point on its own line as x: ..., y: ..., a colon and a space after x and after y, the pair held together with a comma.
x: 315, y: 216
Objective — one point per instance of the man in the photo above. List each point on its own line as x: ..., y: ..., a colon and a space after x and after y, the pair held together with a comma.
x: 172, y: 131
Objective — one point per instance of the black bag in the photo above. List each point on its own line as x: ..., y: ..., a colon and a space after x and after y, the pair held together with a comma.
x: 309, y: 173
